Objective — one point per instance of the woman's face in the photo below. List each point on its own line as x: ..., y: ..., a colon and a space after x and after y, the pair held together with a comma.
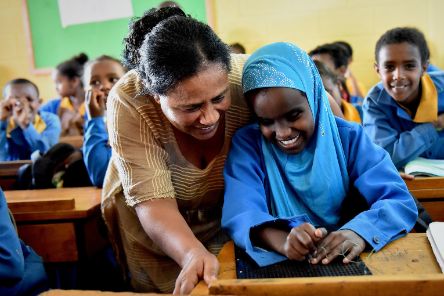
x: 197, y: 104
x: 284, y: 117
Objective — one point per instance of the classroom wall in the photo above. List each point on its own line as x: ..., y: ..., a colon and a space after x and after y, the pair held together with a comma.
x: 311, y: 23
x: 258, y: 22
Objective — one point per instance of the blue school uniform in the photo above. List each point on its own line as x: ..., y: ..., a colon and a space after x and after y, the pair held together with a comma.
x: 17, y: 143
x: 52, y: 106
x: 264, y: 186
x: 96, y: 150
x: 21, y: 269
x: 247, y: 205
x: 393, y: 128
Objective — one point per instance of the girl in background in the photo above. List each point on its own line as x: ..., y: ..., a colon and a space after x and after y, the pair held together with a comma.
x: 70, y: 105
x: 100, y: 76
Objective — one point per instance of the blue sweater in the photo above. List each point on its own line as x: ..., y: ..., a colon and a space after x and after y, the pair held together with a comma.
x: 392, y: 211
x: 23, y: 142
x: 21, y: 269
x: 392, y: 128
x: 96, y: 150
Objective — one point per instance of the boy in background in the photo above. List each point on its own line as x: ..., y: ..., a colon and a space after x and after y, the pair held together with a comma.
x: 23, y: 129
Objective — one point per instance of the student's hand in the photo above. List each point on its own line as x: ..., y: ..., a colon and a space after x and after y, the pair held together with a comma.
x: 95, y: 103
x: 302, y: 240
x: 22, y: 113
x: 6, y: 108
x: 199, y: 264
x: 339, y: 243
x: 407, y: 176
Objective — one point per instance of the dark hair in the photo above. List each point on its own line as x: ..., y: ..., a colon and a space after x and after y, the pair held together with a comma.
x: 346, y: 46
x: 337, y: 52
x: 73, y: 67
x: 324, y: 71
x: 404, y: 34
x: 237, y: 46
x: 21, y: 81
x: 166, y: 46
x: 101, y: 58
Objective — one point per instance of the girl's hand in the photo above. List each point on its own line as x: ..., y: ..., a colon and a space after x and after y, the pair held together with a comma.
x: 439, y: 124
x: 339, y: 243
x: 199, y: 264
x: 95, y: 103
x: 406, y: 176
x: 302, y: 240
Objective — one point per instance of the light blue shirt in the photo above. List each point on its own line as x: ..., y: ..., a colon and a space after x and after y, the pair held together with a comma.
x: 96, y: 150
x: 23, y: 142
x: 392, y: 128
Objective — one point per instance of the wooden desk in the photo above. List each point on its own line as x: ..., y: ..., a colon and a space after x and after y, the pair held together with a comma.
x: 429, y: 191
x: 62, y: 225
x: 404, y: 267
x: 9, y: 172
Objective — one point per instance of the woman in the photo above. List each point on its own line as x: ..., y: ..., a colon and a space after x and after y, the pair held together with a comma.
x: 170, y: 122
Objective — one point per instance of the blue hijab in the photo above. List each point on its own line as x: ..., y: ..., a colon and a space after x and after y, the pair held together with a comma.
x: 315, y: 181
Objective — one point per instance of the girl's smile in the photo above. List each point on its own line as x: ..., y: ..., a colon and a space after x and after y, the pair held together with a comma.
x: 284, y: 116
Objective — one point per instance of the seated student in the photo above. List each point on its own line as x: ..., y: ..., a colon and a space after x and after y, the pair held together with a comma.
x: 356, y: 88
x: 21, y: 269
x: 289, y: 178
x: 70, y: 105
x: 332, y: 86
x: 23, y: 129
x: 100, y: 76
x: 404, y: 113
x: 335, y: 57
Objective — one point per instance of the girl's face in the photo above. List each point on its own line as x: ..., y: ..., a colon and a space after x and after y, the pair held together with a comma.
x: 197, y: 104
x: 102, y: 75
x: 400, y: 69
x: 65, y: 86
x: 332, y: 88
x: 284, y: 117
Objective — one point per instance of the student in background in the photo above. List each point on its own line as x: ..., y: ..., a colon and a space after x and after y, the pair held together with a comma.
x: 332, y: 86
x: 404, y: 113
x: 356, y: 88
x: 334, y: 57
x: 100, y: 76
x: 23, y: 129
x: 289, y: 178
x: 237, y: 48
x: 70, y: 105
x: 21, y: 269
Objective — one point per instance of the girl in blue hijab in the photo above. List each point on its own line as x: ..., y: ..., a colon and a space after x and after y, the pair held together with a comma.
x: 301, y: 183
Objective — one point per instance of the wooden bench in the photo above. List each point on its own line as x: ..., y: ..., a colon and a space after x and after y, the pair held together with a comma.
x: 9, y: 173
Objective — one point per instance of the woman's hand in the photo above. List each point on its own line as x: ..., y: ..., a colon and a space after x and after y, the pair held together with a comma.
x: 199, y: 264
x: 302, y: 241
x: 339, y: 243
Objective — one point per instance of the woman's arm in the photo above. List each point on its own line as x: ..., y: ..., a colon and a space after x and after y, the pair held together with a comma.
x: 164, y: 224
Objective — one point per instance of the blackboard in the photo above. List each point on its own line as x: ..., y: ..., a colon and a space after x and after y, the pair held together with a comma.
x: 50, y: 43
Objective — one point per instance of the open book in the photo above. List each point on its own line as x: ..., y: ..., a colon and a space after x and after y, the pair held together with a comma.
x: 435, y: 234
x: 425, y: 167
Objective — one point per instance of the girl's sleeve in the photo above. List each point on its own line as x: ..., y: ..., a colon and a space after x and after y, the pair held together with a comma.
x: 392, y: 211
x: 96, y: 150
x: 12, y: 264
x: 402, y: 146
x: 245, y: 200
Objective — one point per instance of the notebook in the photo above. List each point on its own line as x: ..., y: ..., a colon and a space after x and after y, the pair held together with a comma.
x: 425, y: 167
x: 435, y: 234
x: 246, y: 268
